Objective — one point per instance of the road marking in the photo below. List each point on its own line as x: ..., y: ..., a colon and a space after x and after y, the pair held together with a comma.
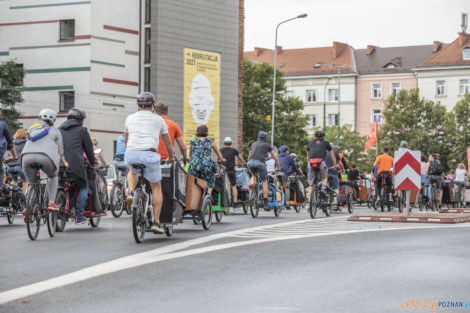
x: 172, y: 252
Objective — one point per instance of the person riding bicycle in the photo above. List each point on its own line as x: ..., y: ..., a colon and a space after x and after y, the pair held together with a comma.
x: 46, y: 149
x: 142, y: 132
x: 7, y: 144
x: 98, y: 156
x: 174, y: 132
x: 294, y: 157
x: 333, y: 171
x: 354, y: 178
x: 229, y: 153
x: 119, y: 155
x: 434, y: 173
x: 286, y: 162
x: 317, y: 150
x: 384, y: 170
x: 256, y: 162
x: 77, y: 144
x: 14, y: 166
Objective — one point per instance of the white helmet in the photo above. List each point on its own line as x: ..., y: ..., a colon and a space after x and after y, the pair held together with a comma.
x: 48, y: 115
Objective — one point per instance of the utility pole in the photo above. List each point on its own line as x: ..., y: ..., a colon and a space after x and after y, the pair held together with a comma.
x: 339, y: 67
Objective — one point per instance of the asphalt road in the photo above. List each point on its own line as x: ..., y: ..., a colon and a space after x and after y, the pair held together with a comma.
x: 288, y: 264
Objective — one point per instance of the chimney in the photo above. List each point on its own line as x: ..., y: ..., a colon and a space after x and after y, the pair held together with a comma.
x: 370, y: 49
x: 279, y: 49
x: 338, y: 48
x: 258, y: 51
x: 436, y: 46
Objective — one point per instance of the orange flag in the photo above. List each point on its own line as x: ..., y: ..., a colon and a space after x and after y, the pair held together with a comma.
x: 372, y: 138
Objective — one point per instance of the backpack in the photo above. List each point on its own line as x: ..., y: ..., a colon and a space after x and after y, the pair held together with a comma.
x: 435, y: 167
x: 37, y: 131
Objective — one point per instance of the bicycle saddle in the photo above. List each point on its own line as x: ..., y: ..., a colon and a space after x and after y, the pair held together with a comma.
x: 138, y: 166
x: 36, y: 166
x: 121, y: 168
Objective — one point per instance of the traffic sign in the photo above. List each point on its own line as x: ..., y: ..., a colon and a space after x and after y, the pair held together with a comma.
x: 407, y: 167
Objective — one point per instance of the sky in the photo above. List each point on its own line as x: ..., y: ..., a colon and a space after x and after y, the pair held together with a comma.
x: 384, y: 23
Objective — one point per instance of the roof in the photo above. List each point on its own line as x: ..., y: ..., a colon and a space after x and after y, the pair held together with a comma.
x: 375, y: 59
x: 303, y: 61
x: 450, y: 55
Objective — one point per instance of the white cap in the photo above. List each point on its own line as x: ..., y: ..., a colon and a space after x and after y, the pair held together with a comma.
x: 228, y: 140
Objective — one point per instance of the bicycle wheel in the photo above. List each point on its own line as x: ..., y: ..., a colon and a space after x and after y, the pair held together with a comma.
x: 400, y: 201
x: 383, y: 199
x: 350, y: 203
x: 314, y: 202
x: 102, y: 187
x: 254, y: 209
x: 139, y: 219
x: 219, y: 215
x: 206, y: 212
x: 277, y: 211
x: 61, y: 200
x: 95, y: 221
x: 297, y: 208
x: 32, y: 216
x: 51, y: 223
x: 11, y: 217
x: 117, y: 200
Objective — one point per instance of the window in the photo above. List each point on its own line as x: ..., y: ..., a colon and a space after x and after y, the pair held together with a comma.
x: 147, y: 79
x: 332, y: 119
x: 377, y: 116
x: 440, y: 88
x: 67, y: 30
x: 377, y: 91
x: 463, y: 86
x: 311, y: 120
x: 311, y: 96
x: 289, y: 94
x: 147, y: 11
x: 147, y: 46
x: 67, y: 100
x: 466, y: 53
x: 390, y: 65
x: 333, y: 95
x: 396, y: 87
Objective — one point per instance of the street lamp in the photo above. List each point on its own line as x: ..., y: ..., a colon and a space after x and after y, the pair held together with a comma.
x: 274, y: 79
x: 339, y: 67
x: 324, y: 103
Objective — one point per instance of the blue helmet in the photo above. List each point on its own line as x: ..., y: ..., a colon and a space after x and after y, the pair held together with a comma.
x: 283, y: 148
x: 262, y: 135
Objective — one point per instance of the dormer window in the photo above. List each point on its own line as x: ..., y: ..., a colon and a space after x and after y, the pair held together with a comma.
x: 390, y: 65
x: 282, y: 65
x: 466, y: 54
x: 318, y: 64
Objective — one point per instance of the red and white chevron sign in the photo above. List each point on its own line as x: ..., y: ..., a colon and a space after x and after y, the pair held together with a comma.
x: 407, y: 167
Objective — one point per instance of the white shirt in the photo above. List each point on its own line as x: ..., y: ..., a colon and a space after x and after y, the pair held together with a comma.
x: 270, y: 165
x: 143, y: 129
x: 460, y: 174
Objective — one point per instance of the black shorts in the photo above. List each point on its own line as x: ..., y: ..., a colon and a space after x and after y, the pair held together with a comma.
x: 232, y: 177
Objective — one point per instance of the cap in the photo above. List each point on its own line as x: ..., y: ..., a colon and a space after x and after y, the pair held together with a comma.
x: 228, y: 140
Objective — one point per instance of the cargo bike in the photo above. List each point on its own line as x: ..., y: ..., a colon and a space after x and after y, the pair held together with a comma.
x: 345, y: 197
x: 276, y: 197
x: 366, y: 192
x: 243, y: 182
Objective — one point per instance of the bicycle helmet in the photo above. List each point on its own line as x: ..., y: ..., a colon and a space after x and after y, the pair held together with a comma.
x: 262, y: 135
x: 293, y: 155
x: 319, y: 134
x: 77, y: 114
x: 145, y: 99
x: 283, y: 148
x: 48, y: 116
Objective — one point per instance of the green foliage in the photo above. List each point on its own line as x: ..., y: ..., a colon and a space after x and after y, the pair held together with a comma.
x: 11, y: 81
x: 289, y: 127
x: 459, y: 128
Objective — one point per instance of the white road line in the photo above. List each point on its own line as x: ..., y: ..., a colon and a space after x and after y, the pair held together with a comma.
x: 162, y: 254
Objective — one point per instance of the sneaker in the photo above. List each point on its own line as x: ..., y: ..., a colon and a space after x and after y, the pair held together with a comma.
x: 130, y: 199
x: 52, y: 207
x: 80, y: 220
x: 236, y: 205
x: 156, y: 228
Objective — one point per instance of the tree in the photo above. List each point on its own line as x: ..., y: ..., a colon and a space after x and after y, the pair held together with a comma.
x: 459, y: 131
x: 11, y: 82
x: 424, y: 124
x: 290, y: 123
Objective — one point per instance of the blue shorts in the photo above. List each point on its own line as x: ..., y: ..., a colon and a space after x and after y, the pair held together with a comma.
x: 258, y: 167
x: 150, y: 159
x: 334, y: 181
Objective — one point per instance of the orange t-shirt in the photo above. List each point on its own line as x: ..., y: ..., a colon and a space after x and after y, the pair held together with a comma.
x: 385, y: 163
x: 174, y: 131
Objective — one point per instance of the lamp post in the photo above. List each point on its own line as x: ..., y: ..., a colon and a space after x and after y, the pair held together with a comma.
x: 324, y: 103
x: 275, y: 67
x: 339, y: 67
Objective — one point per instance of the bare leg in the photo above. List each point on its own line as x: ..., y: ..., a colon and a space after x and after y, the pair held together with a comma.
x: 157, y: 200
x: 132, y: 181
x: 265, y: 189
x: 235, y: 194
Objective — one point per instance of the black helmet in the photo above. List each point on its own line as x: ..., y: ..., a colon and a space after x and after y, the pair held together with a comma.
x: 319, y: 134
x: 145, y: 99
x: 77, y: 114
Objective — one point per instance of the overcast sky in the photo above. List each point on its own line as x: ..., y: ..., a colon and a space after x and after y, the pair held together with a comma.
x: 385, y: 23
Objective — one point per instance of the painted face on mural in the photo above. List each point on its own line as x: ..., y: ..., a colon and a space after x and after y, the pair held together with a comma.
x: 200, y: 99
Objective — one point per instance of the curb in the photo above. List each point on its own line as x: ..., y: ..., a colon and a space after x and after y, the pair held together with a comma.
x: 441, y: 219
x: 454, y: 210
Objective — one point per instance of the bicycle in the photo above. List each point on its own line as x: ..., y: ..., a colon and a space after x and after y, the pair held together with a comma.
x: 257, y: 201
x: 434, y: 202
x: 383, y: 194
x: 36, y: 213
x: 118, y: 194
x: 321, y: 196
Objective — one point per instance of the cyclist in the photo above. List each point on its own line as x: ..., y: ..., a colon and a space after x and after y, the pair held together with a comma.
x: 7, y: 144
x: 256, y: 162
x: 229, y: 153
x: 404, y: 145
x: 294, y: 157
x: 119, y: 156
x: 142, y: 131
x: 434, y: 173
x: 46, y: 150
x: 333, y: 170
x: 77, y: 145
x: 174, y: 132
x: 14, y: 166
x: 316, y: 153
x: 286, y: 162
x: 354, y: 178
x: 98, y: 156
x: 384, y: 163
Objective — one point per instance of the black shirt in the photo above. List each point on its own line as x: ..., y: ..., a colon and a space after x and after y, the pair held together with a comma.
x: 229, y: 154
x: 317, y: 149
x: 329, y: 163
x: 260, y: 150
x: 353, y: 175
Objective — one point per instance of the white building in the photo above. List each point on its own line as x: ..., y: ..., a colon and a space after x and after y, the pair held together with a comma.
x: 76, y: 53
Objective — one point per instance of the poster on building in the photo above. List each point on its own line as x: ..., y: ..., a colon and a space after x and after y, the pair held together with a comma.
x: 201, y: 92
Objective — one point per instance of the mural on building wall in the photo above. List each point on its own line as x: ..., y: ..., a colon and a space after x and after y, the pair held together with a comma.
x: 201, y: 92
